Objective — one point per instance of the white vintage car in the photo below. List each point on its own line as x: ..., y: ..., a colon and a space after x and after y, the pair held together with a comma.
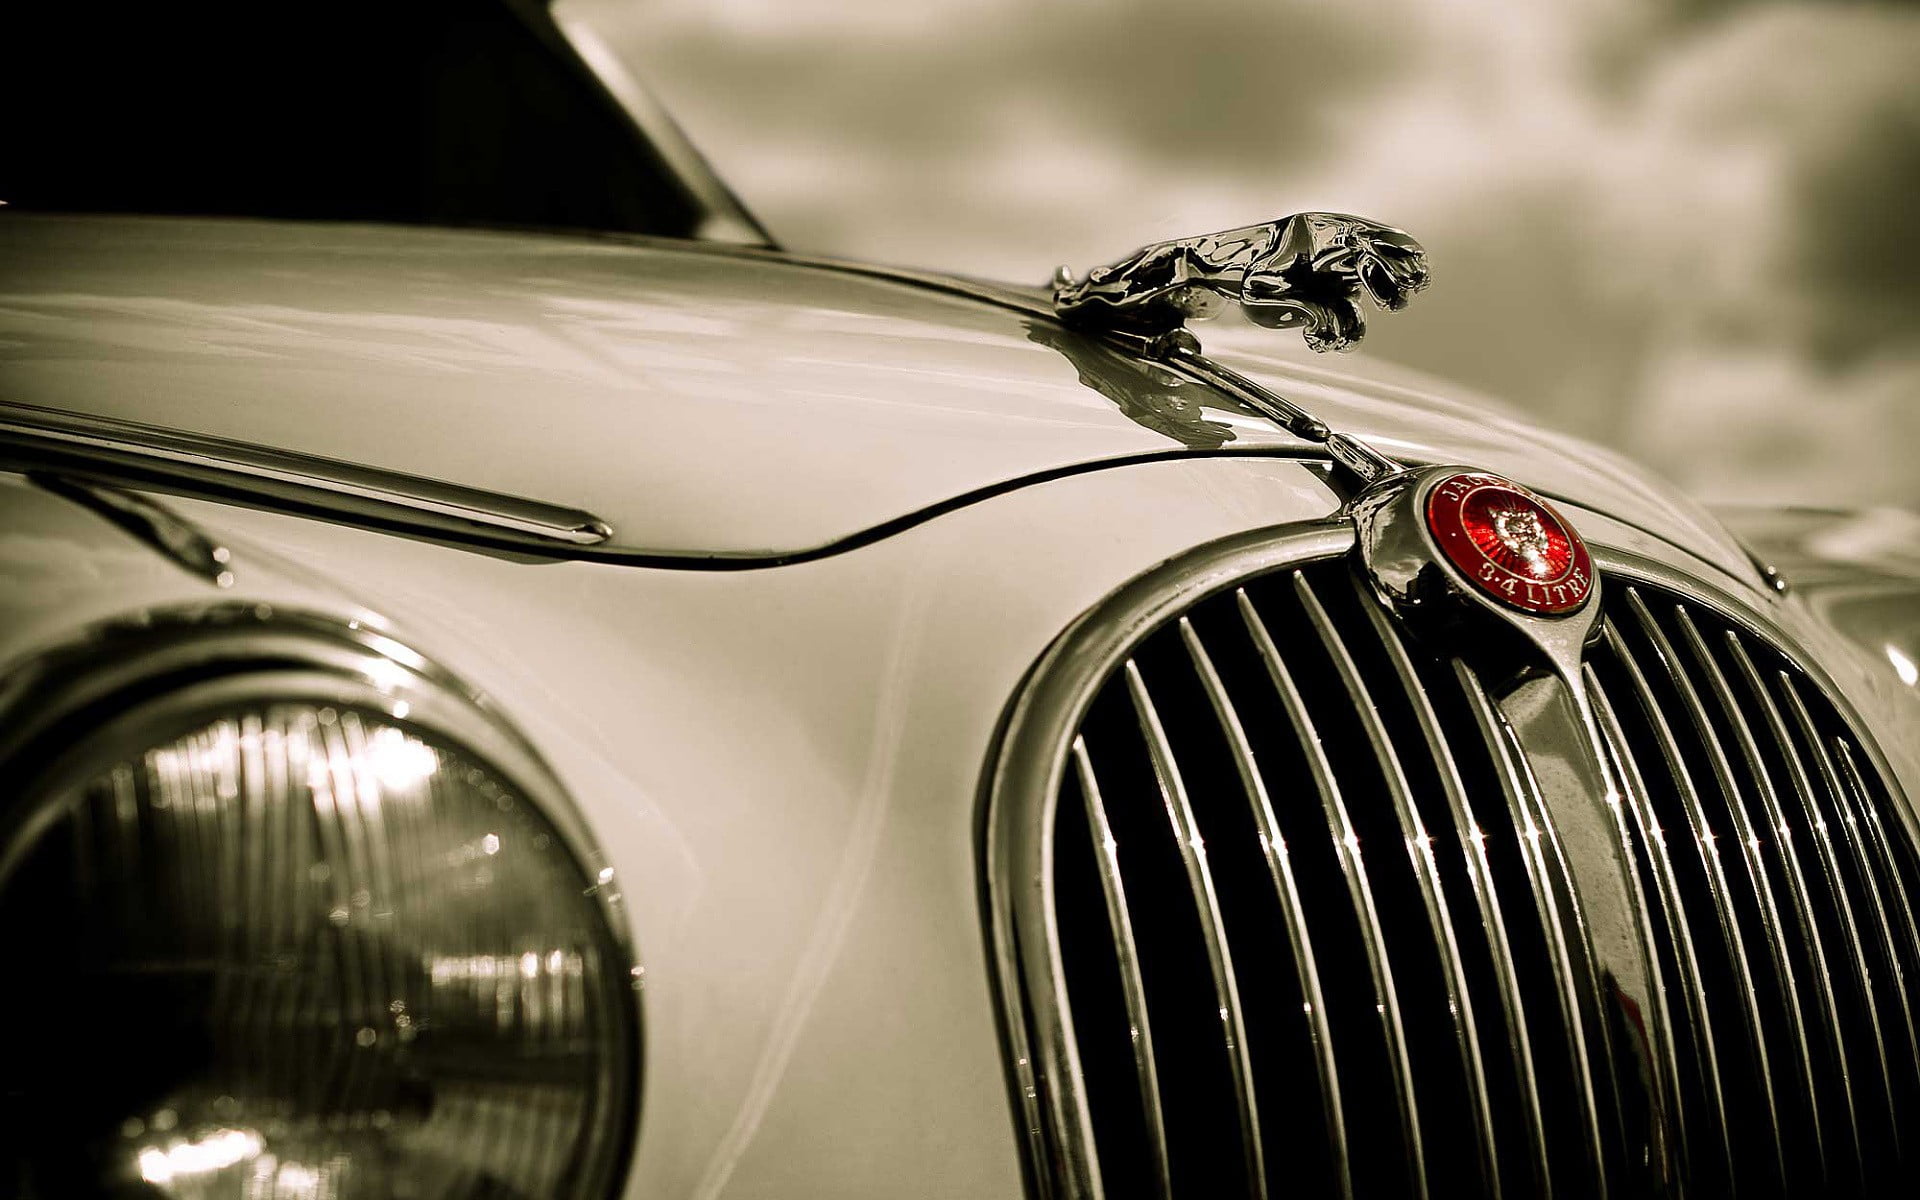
x: 619, y: 709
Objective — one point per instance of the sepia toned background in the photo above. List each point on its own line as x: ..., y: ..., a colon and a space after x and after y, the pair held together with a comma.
x: 1686, y: 228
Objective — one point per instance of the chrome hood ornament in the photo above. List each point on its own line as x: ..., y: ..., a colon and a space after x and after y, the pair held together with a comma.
x: 1445, y: 548
x: 1306, y: 272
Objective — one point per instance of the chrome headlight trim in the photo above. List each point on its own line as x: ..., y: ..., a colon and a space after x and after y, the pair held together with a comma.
x: 121, y: 684
x: 120, y: 664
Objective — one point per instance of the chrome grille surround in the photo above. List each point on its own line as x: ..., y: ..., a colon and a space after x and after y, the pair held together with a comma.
x: 1291, y: 1014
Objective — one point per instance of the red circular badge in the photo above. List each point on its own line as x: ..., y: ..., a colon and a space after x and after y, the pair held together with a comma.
x: 1510, y: 544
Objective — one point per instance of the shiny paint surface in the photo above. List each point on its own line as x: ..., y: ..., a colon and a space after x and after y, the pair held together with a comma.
x: 701, y: 399
x: 783, y: 766
x: 1859, y: 570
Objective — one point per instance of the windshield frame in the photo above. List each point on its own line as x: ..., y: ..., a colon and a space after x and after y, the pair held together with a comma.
x: 728, y: 219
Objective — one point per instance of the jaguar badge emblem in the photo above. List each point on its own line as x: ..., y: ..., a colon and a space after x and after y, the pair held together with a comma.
x: 1306, y: 272
x: 1510, y: 544
x: 1462, y: 554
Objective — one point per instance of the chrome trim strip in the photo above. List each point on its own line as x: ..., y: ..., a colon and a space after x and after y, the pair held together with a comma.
x: 1531, y: 824
x: 202, y: 456
x: 154, y: 525
x: 1486, y: 900
x: 1067, y: 1097
x: 1425, y: 870
x: 1113, y: 888
x: 1193, y: 857
x: 1661, y: 1057
x: 1674, y: 915
x: 1273, y: 848
x: 1706, y: 841
x: 1750, y: 856
x: 1831, y: 874
x: 1346, y: 845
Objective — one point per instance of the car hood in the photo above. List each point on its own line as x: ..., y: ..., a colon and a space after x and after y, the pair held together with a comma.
x: 703, y: 401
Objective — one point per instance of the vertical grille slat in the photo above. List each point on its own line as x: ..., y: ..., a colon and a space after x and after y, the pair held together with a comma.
x: 1479, y: 874
x: 1835, y: 892
x: 1863, y: 803
x: 1426, y: 874
x: 1139, y: 1025
x: 1530, y: 823
x: 1321, y: 908
x: 1864, y: 814
x: 1876, y: 868
x: 1287, y: 894
x: 1193, y: 856
x: 1755, y: 821
x: 1353, y: 869
x: 1660, y: 1036
x: 1698, y: 1026
x: 1714, y: 881
x: 1760, y: 886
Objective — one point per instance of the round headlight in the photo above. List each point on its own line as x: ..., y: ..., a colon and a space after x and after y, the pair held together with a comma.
x: 306, y: 931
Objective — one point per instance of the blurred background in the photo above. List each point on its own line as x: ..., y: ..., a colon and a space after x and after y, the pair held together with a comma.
x: 1684, y: 228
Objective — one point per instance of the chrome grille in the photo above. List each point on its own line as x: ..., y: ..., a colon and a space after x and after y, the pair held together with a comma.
x: 1780, y: 878
x: 1305, y: 925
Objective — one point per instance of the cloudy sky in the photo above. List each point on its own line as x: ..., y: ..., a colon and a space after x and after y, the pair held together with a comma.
x: 1685, y: 228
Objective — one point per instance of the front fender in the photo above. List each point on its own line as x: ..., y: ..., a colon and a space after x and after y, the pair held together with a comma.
x: 1858, y: 570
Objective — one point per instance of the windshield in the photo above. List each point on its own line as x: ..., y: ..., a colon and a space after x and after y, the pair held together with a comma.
x: 458, y: 112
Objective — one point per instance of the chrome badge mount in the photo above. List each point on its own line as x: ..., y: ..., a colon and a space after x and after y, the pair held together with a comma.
x: 1459, y: 553
x: 1438, y: 544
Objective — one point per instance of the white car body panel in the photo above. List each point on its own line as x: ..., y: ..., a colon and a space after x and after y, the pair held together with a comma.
x: 704, y: 401
x: 783, y: 765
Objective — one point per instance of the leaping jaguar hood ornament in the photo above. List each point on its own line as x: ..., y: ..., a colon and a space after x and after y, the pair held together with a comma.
x: 1480, y: 542
x: 1307, y: 272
